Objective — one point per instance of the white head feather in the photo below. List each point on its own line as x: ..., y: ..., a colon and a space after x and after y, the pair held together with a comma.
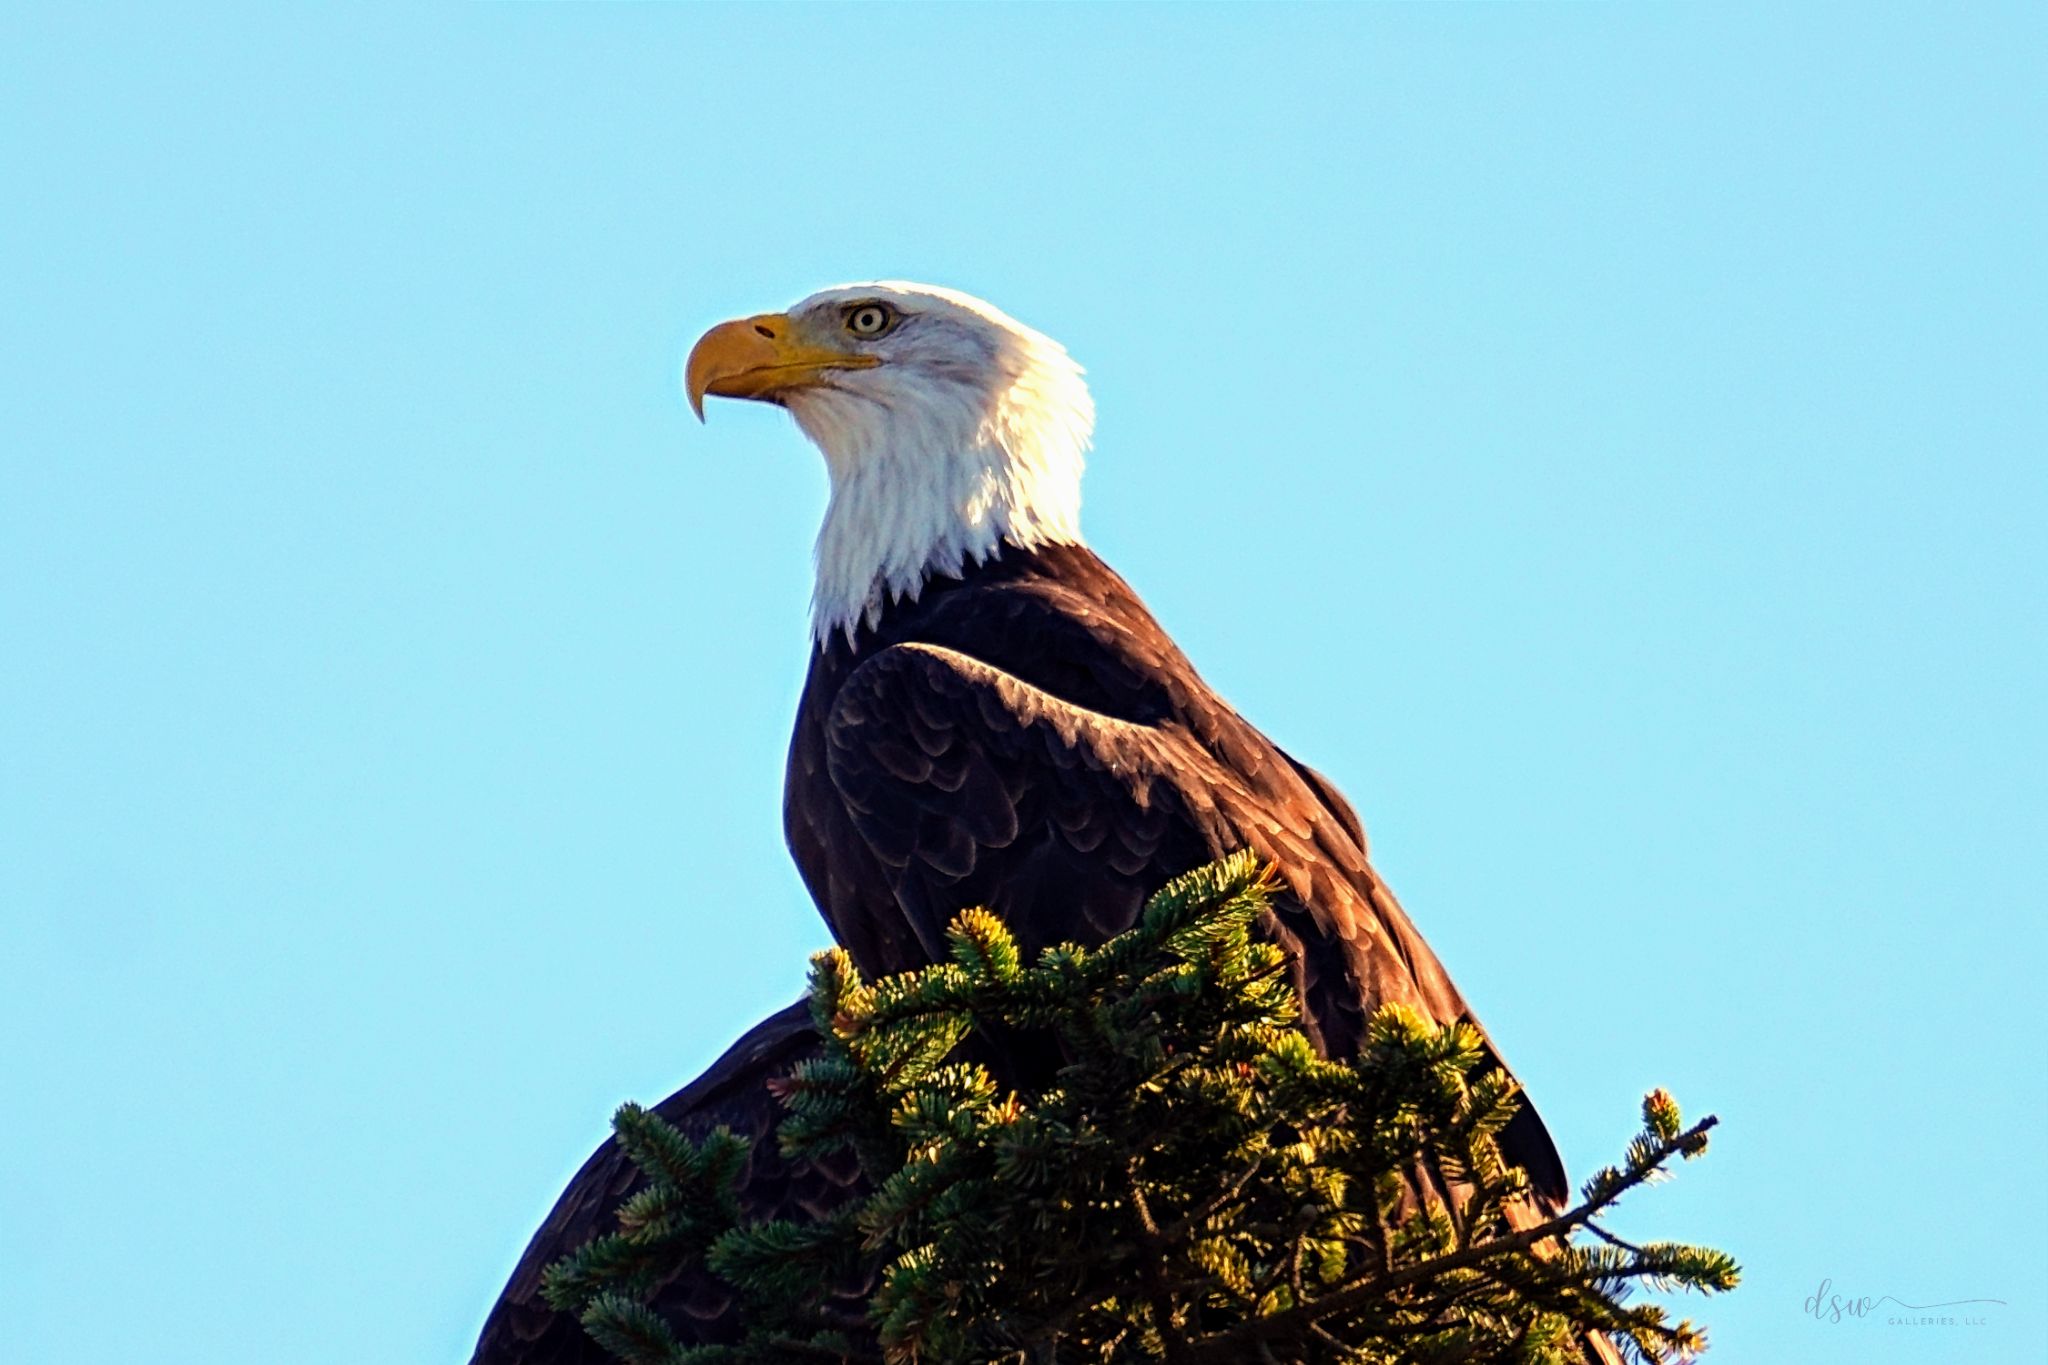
x: 969, y: 434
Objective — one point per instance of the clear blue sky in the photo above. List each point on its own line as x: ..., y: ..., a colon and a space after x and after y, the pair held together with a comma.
x: 1608, y: 440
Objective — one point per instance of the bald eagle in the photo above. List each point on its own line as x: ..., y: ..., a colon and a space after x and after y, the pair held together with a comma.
x: 992, y: 717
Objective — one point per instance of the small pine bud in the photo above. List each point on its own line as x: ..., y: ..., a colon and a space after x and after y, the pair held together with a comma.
x: 1660, y: 1114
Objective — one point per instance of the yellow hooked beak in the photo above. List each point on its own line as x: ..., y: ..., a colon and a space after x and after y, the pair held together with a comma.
x: 760, y: 357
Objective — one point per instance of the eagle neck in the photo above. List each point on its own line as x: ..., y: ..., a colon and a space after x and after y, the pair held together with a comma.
x: 913, y: 501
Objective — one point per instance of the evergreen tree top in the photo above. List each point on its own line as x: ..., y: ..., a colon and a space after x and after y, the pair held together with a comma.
x: 1172, y: 1174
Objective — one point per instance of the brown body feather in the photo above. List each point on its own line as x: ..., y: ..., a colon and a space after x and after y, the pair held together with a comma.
x: 1027, y: 738
x: 523, y: 1330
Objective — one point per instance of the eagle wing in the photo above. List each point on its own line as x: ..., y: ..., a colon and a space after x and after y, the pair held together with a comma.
x: 1062, y: 780
x: 523, y: 1330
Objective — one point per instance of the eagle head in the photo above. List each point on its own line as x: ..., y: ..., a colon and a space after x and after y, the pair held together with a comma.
x: 949, y: 430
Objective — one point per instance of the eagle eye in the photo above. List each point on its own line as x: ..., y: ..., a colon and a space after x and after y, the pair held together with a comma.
x: 870, y: 320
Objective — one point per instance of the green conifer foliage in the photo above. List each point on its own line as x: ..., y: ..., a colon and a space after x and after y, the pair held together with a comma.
x: 1191, y: 1184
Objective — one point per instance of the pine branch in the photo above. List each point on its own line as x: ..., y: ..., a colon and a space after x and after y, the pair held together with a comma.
x: 1280, y: 1325
x: 1193, y: 1184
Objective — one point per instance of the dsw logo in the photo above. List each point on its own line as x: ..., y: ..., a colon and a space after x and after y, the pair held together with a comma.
x: 1831, y: 1307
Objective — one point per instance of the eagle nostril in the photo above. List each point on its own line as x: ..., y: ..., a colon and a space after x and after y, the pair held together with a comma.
x: 765, y: 330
